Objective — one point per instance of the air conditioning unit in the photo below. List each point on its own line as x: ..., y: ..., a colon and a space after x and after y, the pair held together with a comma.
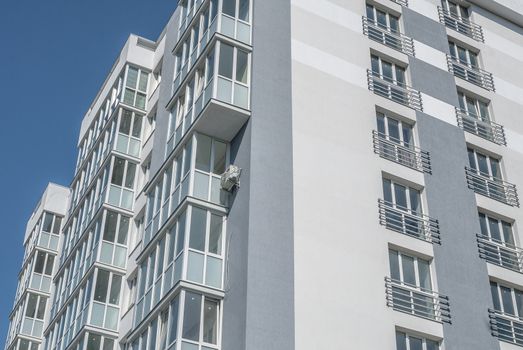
x: 231, y: 178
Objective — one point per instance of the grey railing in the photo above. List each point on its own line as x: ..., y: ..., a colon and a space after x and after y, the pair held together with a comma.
x: 461, y: 25
x: 394, y: 90
x: 417, y: 301
x: 484, y: 129
x: 505, y: 327
x: 415, y: 225
x: 473, y: 75
x: 499, y: 253
x: 388, y: 37
x: 395, y: 150
x: 496, y: 189
x: 401, y: 2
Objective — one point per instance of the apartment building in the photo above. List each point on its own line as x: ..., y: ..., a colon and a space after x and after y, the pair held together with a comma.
x: 41, y: 248
x: 197, y: 222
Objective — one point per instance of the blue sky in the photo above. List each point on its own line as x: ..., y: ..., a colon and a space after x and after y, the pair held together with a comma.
x: 54, y: 56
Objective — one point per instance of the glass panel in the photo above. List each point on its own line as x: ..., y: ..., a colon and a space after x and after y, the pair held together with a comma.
x: 483, y: 224
x: 380, y: 121
x: 48, y: 221
x: 506, y: 298
x: 198, y: 224
x: 102, y: 284
x: 191, y: 317
x: 226, y: 60
x: 229, y: 7
x: 201, y: 185
x: 110, y: 226
x: 400, y: 193
x: 215, y: 235
x: 94, y: 342
x: 220, y: 150
x: 31, y: 306
x: 370, y: 12
x: 203, y: 153
x: 242, y: 65
x: 409, y: 275
x: 415, y: 343
x: 195, y: 267
x: 97, y: 315
x: 244, y: 10
x: 401, y: 341
x: 173, y: 328
x: 495, y: 296
x: 132, y: 77
x: 432, y: 345
x: 394, y: 132
x: 507, y: 233
x: 213, y: 274
x: 40, y: 262
x: 387, y: 190
x: 125, y: 122
x: 210, y: 321
x: 519, y: 302
x: 111, y: 319
x: 424, y: 274
x: 114, y: 297
x: 394, y: 265
x: 118, y: 170
x: 123, y: 229
x: 494, y: 229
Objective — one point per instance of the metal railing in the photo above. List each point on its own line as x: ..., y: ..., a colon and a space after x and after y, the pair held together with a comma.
x: 415, y: 225
x: 488, y: 186
x: 401, y: 2
x: 474, y: 75
x: 461, y: 25
x: 417, y: 301
x: 394, y: 90
x: 499, y: 253
x: 505, y: 327
x: 387, y: 37
x: 484, y: 129
x: 395, y: 150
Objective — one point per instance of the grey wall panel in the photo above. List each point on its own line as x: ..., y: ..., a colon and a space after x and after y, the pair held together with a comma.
x: 461, y: 274
x: 270, y: 288
x: 433, y: 81
x: 425, y: 30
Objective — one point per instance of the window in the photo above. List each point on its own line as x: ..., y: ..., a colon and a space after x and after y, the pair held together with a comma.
x: 195, y: 328
x: 237, y: 8
x: 95, y: 341
x: 43, y: 270
x: 210, y: 163
x: 457, y: 11
x: 463, y: 55
x: 50, y: 230
x: 402, y: 197
x: 496, y: 229
x: 410, y: 287
x: 136, y: 87
x: 114, y: 243
x: 129, y: 133
x: 395, y: 130
x: 121, y: 193
x: 496, y: 244
x: 388, y: 71
x: 383, y: 19
x: 410, y: 270
x: 105, y: 307
x: 34, y: 315
x: 484, y: 165
x: 473, y: 107
x: 507, y: 300
x: 233, y: 71
x: 405, y: 341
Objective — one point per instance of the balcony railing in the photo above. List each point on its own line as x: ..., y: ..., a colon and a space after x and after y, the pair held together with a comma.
x: 473, y: 75
x: 394, y: 90
x: 499, y: 253
x: 388, y: 37
x: 491, y: 187
x: 415, y: 225
x: 417, y: 301
x: 461, y: 25
x: 401, y: 2
x: 484, y: 129
x: 505, y: 327
x: 395, y: 150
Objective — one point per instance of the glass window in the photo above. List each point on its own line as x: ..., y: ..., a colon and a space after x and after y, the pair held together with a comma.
x: 229, y: 7
x: 244, y: 10
x: 210, y: 321
x: 215, y: 235
x: 173, y: 328
x: 40, y: 262
x: 94, y: 342
x: 102, y: 285
x: 191, y: 318
x: 48, y: 221
x: 114, y: 297
x: 203, y: 153
x: 198, y: 224
x: 110, y: 226
x: 226, y: 60
x: 242, y: 65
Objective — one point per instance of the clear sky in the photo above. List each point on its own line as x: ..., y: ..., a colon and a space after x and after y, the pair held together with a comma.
x: 54, y: 56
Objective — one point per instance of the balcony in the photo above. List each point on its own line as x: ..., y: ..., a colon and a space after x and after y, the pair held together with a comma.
x: 494, y: 188
x: 395, y: 150
x: 506, y: 327
x: 414, y: 225
x: 499, y: 253
x: 190, y: 14
x: 473, y: 75
x: 394, y: 90
x: 220, y: 110
x: 487, y: 130
x: 387, y: 37
x: 415, y: 301
x: 461, y: 25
